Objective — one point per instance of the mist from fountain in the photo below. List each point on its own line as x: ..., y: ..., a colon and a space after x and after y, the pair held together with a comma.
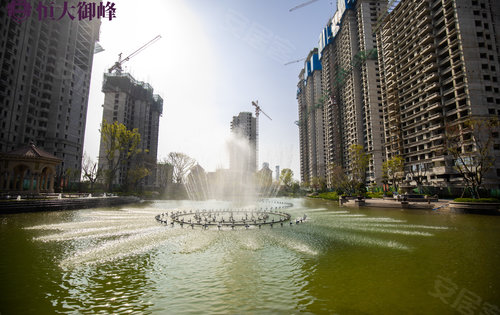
x: 239, y: 184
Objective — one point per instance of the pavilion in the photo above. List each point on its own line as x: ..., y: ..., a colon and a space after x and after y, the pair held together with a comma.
x: 28, y: 170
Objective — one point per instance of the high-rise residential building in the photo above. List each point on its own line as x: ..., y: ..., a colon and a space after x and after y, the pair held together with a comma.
x: 45, y: 68
x: 348, y: 99
x: 309, y: 97
x: 302, y: 124
x: 277, y: 176
x: 243, y: 151
x: 132, y: 103
x: 441, y: 66
x: 331, y: 110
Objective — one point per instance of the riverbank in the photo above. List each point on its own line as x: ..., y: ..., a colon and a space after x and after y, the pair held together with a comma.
x: 38, y: 205
x: 441, y: 205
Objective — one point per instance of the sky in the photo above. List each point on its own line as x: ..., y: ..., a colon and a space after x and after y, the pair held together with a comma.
x: 214, y: 58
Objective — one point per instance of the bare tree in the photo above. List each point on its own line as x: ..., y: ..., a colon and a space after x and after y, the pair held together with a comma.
x: 181, y: 163
x: 393, y: 170
x: 164, y: 174
x: 471, y: 145
x: 418, y: 173
x: 90, y: 170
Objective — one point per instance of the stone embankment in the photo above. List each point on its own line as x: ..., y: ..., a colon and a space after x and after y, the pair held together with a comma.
x: 36, y: 205
x: 427, y: 204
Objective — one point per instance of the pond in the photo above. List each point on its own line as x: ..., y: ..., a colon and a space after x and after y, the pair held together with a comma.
x: 339, y: 261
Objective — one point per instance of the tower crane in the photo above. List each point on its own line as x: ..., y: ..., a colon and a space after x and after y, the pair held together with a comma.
x: 117, y: 67
x: 294, y: 61
x: 302, y: 5
x: 258, y: 110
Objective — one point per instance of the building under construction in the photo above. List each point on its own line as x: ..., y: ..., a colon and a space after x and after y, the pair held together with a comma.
x: 441, y: 67
x: 395, y: 76
x: 310, y: 123
x: 133, y: 104
x: 339, y: 94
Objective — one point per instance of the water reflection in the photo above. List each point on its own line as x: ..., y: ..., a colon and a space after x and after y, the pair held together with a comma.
x: 122, y: 260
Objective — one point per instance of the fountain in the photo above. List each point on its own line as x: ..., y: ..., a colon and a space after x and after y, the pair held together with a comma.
x: 229, y: 217
x: 246, y: 193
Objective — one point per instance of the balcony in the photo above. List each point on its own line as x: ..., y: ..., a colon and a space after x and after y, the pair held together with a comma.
x: 434, y: 106
x: 443, y: 170
x: 427, y: 49
x: 432, y: 87
x: 429, y: 58
x: 431, y: 67
x: 450, y: 101
x: 430, y: 78
x: 434, y: 117
x: 432, y: 97
x: 422, y: 14
x: 435, y: 127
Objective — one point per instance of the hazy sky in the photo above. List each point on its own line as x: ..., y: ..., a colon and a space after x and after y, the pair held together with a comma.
x: 214, y: 58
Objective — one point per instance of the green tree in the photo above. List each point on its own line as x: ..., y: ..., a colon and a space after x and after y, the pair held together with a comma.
x: 471, y: 146
x: 337, y: 179
x: 359, y: 164
x: 295, y: 187
x: 120, y: 147
x: 393, y: 170
x: 136, y: 174
x: 286, y: 178
x: 318, y: 184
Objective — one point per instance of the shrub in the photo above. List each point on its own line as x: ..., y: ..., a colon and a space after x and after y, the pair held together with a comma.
x: 379, y: 194
x: 493, y: 200
x: 327, y: 195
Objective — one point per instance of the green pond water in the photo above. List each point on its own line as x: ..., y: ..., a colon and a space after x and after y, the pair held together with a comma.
x: 340, y: 261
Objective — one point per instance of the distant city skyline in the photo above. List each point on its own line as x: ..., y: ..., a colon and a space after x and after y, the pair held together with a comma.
x: 214, y: 58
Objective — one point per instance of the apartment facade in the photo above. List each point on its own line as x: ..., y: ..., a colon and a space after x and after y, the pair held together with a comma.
x: 441, y: 67
x: 311, y: 126
x: 350, y: 93
x: 45, y: 69
x: 302, y: 123
x: 133, y: 103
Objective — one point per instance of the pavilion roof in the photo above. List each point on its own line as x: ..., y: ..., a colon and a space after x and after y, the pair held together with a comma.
x: 31, y: 151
